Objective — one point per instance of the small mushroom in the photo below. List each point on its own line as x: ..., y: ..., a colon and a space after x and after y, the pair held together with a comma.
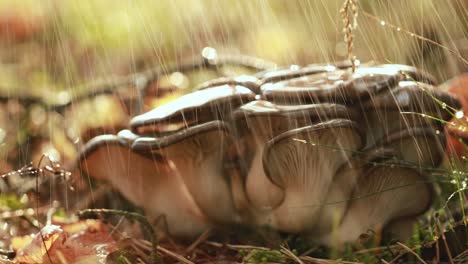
x: 149, y: 181
x: 215, y: 103
x: 386, y: 191
x: 303, y: 162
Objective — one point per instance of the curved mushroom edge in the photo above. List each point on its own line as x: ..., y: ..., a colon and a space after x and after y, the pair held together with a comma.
x: 314, y: 111
x: 98, y: 141
x: 427, y: 132
x: 408, y: 166
x: 249, y: 81
x: 334, y: 123
x: 414, y: 96
x: 195, y: 107
x: 339, y: 86
x: 148, y: 144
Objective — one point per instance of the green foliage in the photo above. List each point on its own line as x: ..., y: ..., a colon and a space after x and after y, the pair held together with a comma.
x: 265, y: 256
x: 9, y: 201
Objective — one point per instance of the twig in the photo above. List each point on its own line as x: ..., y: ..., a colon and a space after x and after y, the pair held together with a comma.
x: 349, y: 13
x: 288, y: 253
x: 175, y: 255
x: 411, y: 251
x: 203, y: 237
x: 234, y: 247
x: 447, y: 248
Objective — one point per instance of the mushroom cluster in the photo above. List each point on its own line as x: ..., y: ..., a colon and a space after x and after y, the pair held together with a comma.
x: 319, y: 150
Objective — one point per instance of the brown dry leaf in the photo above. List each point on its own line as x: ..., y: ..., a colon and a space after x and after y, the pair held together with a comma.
x: 81, y: 242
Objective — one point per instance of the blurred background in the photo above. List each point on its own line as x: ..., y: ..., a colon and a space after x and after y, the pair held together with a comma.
x: 53, y: 45
x: 50, y: 50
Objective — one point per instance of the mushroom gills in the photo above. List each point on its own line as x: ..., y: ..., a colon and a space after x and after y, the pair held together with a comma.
x: 261, y: 121
x: 148, y: 182
x: 384, y: 193
x: 345, y: 181
x: 304, y: 162
x: 198, y: 153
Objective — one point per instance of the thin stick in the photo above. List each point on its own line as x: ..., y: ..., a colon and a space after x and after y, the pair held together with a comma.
x: 175, y: 255
x: 411, y: 251
x: 349, y: 12
x: 288, y: 253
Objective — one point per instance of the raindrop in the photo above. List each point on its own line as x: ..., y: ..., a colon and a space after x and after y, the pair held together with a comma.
x: 444, y: 105
x: 382, y: 23
x: 398, y: 29
x: 2, y: 135
x: 209, y: 53
x: 437, y: 132
x: 459, y: 114
x: 412, y: 34
x: 294, y: 67
x: 38, y: 115
x: 63, y: 97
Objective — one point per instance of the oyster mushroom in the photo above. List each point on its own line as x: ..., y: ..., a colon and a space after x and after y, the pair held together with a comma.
x: 197, y: 154
x: 213, y: 103
x: 421, y: 146
x: 336, y: 86
x: 345, y: 181
x: 385, y: 192
x: 248, y: 81
x: 148, y: 180
x: 303, y: 162
x: 410, y: 104
x: 260, y: 121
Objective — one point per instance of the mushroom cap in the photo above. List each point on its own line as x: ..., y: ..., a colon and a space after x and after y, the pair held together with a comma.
x: 149, y: 182
x: 339, y: 86
x: 414, y: 96
x: 195, y: 108
x: 421, y: 146
x: 247, y: 81
x: 304, y: 162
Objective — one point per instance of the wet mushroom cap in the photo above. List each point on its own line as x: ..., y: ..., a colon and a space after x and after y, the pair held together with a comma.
x: 339, y: 86
x: 194, y: 108
x: 247, y: 81
x: 422, y: 146
x: 263, y: 117
x: 410, y: 104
